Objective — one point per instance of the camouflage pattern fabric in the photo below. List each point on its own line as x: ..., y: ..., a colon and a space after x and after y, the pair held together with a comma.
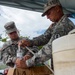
x: 58, y: 29
x: 8, y: 55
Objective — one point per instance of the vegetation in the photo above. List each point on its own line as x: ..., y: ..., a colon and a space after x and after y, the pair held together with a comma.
x: 40, y: 47
x: 4, y: 39
x: 3, y: 66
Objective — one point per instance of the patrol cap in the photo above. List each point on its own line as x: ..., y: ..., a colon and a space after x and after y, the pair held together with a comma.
x: 49, y: 5
x: 10, y: 27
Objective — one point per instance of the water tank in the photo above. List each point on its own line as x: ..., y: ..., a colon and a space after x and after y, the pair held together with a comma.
x: 64, y: 55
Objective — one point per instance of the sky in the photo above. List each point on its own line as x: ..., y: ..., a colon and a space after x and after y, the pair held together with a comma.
x: 29, y: 23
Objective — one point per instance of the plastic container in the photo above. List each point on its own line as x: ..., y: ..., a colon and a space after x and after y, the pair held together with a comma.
x: 64, y: 55
x: 19, y: 53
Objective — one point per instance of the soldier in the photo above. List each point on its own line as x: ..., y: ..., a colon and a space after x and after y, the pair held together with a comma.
x: 9, y: 55
x: 61, y: 26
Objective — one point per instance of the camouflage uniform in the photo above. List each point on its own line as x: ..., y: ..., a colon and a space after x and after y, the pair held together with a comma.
x: 8, y: 55
x: 58, y: 29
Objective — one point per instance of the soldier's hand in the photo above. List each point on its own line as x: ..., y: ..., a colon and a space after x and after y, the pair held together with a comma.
x: 24, y: 43
x: 20, y: 63
x: 17, y: 62
x: 26, y: 57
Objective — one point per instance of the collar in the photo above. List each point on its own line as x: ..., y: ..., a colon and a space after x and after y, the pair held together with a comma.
x: 62, y: 19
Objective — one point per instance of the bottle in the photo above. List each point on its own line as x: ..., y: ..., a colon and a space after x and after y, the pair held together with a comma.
x: 19, y: 53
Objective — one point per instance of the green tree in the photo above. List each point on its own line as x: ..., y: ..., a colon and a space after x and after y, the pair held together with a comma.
x: 4, y: 39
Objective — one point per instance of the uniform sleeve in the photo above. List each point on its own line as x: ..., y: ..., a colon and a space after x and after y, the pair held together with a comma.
x: 7, y: 57
x: 42, y: 39
x: 33, y: 49
x: 46, y: 52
